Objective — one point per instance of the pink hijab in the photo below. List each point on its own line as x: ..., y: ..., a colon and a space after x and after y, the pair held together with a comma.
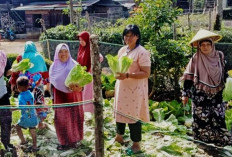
x: 59, y: 70
x: 3, y: 60
x: 206, y: 71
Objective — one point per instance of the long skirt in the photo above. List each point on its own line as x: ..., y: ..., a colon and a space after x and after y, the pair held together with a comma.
x: 209, y: 119
x: 87, y: 94
x: 69, y: 121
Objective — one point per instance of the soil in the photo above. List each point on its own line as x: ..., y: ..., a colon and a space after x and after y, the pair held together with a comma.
x: 17, y: 46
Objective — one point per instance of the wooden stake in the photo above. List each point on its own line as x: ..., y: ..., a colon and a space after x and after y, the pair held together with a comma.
x: 98, y: 101
x: 48, y: 48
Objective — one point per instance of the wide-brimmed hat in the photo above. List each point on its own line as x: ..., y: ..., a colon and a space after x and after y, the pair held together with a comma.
x: 203, y: 34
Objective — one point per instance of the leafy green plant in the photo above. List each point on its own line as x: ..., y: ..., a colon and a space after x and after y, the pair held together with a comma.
x: 163, y: 110
x: 108, y: 82
x: 60, y: 32
x: 79, y: 76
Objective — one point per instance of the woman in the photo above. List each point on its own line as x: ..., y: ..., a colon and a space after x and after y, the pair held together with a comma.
x: 5, y: 114
x: 131, y: 89
x: 204, y: 83
x: 84, y: 59
x: 68, y: 120
x: 38, y: 76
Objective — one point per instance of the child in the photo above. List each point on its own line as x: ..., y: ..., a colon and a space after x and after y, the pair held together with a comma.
x: 28, y: 117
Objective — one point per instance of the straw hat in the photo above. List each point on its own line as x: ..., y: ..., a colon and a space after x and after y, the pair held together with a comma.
x: 203, y: 34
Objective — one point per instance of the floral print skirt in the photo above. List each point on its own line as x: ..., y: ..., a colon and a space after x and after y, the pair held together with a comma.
x: 209, y: 119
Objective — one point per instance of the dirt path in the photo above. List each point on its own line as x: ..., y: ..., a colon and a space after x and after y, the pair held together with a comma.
x: 17, y: 46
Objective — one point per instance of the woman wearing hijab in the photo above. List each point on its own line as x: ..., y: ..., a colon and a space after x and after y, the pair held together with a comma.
x: 84, y: 59
x: 68, y: 120
x: 204, y: 82
x: 38, y: 76
x: 5, y: 114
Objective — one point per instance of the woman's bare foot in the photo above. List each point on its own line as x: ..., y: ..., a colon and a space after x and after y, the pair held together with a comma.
x: 119, y: 139
x: 136, y: 147
x: 42, y: 125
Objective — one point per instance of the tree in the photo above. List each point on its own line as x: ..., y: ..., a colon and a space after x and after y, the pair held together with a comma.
x: 219, y: 14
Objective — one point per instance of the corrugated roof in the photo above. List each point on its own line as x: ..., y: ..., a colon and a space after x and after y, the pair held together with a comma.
x: 48, y: 5
x: 44, y: 6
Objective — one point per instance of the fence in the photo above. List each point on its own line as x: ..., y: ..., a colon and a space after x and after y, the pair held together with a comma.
x: 49, y: 46
x: 196, y: 20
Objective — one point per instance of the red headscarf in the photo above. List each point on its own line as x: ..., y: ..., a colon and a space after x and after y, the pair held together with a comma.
x: 83, y: 56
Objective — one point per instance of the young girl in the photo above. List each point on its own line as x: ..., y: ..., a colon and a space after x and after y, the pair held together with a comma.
x: 28, y: 117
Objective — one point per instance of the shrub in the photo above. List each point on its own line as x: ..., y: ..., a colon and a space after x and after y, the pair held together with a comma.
x: 169, y: 57
x: 226, y: 35
x: 60, y: 32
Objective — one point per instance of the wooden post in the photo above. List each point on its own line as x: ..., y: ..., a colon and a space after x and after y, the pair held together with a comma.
x: 71, y: 11
x: 189, y: 22
x: 210, y: 19
x: 89, y: 23
x: 48, y: 48
x: 174, y: 31
x: 96, y: 69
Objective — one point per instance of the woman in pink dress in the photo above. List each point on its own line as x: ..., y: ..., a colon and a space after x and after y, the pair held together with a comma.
x: 84, y: 59
x: 68, y: 120
x: 131, y: 89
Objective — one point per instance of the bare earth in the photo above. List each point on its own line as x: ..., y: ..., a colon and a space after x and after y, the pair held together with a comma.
x: 17, y: 46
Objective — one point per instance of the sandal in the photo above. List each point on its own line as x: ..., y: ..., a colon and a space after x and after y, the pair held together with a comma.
x: 24, y: 144
x: 62, y: 147
x: 75, y: 146
x: 130, y: 151
x: 31, y: 149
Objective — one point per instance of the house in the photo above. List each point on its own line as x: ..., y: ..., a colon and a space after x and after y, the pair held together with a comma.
x: 209, y: 3
x: 51, y: 11
x: 227, y: 3
x: 108, y: 9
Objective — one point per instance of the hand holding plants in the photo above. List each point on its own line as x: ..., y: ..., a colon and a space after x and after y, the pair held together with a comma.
x: 121, y: 76
x: 75, y: 87
x: 184, y: 100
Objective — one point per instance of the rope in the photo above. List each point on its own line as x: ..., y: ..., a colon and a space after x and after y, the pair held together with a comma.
x: 77, y: 41
x: 47, y: 106
x: 171, y: 133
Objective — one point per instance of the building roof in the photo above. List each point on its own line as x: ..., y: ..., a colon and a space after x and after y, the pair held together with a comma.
x: 44, y: 6
x: 59, y: 5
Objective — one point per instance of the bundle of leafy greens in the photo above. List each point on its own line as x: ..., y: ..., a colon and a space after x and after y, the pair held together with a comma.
x: 230, y: 73
x: 78, y: 76
x: 227, y: 92
x: 22, y: 66
x: 121, y: 64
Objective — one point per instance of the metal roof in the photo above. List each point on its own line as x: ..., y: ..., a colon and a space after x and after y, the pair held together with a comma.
x: 58, y: 5
x: 44, y: 6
